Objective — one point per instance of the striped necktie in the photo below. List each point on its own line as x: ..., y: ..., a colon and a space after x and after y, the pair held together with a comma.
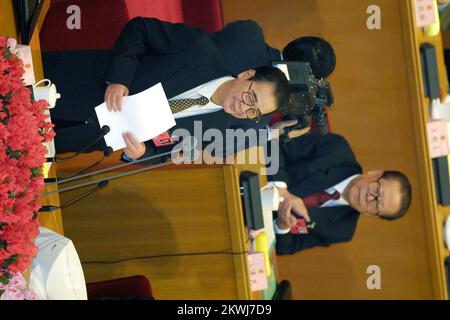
x: 183, y: 104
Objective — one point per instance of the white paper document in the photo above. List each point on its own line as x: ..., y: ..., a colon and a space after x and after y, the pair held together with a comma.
x: 146, y: 114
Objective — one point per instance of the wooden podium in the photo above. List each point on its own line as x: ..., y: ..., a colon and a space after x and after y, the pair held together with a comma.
x: 180, y: 226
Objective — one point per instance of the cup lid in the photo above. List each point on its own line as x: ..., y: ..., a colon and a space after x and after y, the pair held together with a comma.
x: 53, y: 95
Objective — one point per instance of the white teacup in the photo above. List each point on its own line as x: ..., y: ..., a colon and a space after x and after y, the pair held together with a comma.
x: 47, y: 92
x: 447, y: 232
x: 270, y: 196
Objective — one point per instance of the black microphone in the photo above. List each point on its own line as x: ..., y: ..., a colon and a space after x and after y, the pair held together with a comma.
x: 105, y: 130
x: 49, y: 208
x: 52, y: 180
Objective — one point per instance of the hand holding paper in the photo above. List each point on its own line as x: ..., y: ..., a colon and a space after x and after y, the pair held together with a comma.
x: 114, y: 96
x: 146, y: 115
x: 134, y: 148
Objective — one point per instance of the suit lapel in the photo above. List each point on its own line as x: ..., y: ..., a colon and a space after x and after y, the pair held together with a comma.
x: 338, y: 221
x: 320, y: 181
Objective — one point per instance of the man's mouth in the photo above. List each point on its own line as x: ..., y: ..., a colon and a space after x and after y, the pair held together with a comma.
x: 233, y: 106
x: 359, y: 197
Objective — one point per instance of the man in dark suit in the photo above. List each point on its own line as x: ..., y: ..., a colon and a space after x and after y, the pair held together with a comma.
x: 329, y: 190
x: 150, y: 51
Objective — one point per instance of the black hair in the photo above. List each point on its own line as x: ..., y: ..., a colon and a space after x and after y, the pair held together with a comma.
x: 405, y: 187
x: 317, y: 51
x: 278, y: 78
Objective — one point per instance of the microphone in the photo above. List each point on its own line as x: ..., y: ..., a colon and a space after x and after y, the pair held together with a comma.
x: 100, y: 185
x: 105, y: 130
x: 52, y: 180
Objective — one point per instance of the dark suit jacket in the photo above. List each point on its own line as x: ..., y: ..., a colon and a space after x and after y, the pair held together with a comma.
x: 148, y: 51
x: 311, y: 164
x: 243, y: 46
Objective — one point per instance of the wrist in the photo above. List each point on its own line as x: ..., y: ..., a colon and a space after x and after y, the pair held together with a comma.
x: 282, y: 225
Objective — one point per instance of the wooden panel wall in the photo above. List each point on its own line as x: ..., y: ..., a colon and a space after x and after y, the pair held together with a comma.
x: 372, y: 110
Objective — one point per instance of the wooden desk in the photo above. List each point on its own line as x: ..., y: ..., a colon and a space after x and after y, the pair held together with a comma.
x: 51, y: 220
x: 435, y: 214
x: 185, y: 223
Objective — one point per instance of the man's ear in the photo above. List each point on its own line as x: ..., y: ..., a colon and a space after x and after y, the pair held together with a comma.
x: 376, y: 173
x: 245, y: 75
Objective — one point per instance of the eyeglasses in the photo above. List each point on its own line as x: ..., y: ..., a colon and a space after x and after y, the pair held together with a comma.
x: 249, y: 98
x: 374, y: 204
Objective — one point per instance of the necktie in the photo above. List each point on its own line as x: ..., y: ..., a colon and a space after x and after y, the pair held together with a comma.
x: 313, y: 201
x: 183, y: 104
x: 319, y: 198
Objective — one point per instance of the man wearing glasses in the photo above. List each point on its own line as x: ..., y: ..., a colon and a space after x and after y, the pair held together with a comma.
x: 190, y: 67
x: 327, y: 190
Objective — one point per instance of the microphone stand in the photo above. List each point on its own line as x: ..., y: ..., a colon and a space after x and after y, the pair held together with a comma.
x: 120, y: 175
x: 48, y: 208
x: 111, y: 168
x: 105, y: 130
x: 106, y: 154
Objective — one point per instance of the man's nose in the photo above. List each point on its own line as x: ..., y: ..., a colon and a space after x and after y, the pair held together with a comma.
x: 370, y: 197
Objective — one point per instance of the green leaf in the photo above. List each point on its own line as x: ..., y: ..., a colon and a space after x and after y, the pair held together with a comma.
x: 15, y: 154
x: 10, y: 260
x: 7, y: 53
x: 36, y: 172
x: 5, y: 278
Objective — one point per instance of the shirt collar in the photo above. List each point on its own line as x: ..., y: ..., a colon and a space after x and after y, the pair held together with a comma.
x: 340, y: 187
x: 208, y: 89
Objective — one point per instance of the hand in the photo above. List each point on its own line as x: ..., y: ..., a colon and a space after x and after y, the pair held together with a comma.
x: 298, y: 133
x: 134, y: 148
x: 278, y: 127
x: 114, y: 95
x: 286, y: 219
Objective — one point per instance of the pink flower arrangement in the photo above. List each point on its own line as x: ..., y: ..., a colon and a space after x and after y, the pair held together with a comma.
x: 16, y: 289
x: 23, y: 130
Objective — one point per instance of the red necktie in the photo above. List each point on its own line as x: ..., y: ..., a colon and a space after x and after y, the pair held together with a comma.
x: 313, y: 201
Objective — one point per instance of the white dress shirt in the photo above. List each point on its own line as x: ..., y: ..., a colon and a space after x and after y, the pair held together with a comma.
x: 340, y: 187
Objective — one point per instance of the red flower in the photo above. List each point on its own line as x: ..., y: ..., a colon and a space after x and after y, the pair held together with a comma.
x: 23, y: 128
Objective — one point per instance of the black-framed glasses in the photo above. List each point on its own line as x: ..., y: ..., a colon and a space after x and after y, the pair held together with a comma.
x: 373, y: 205
x: 249, y: 98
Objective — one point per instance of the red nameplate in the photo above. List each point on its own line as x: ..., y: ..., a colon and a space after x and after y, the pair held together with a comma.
x: 162, y: 140
x: 300, y: 227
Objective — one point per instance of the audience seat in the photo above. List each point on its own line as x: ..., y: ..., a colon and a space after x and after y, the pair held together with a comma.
x: 102, y: 21
x: 122, y: 288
